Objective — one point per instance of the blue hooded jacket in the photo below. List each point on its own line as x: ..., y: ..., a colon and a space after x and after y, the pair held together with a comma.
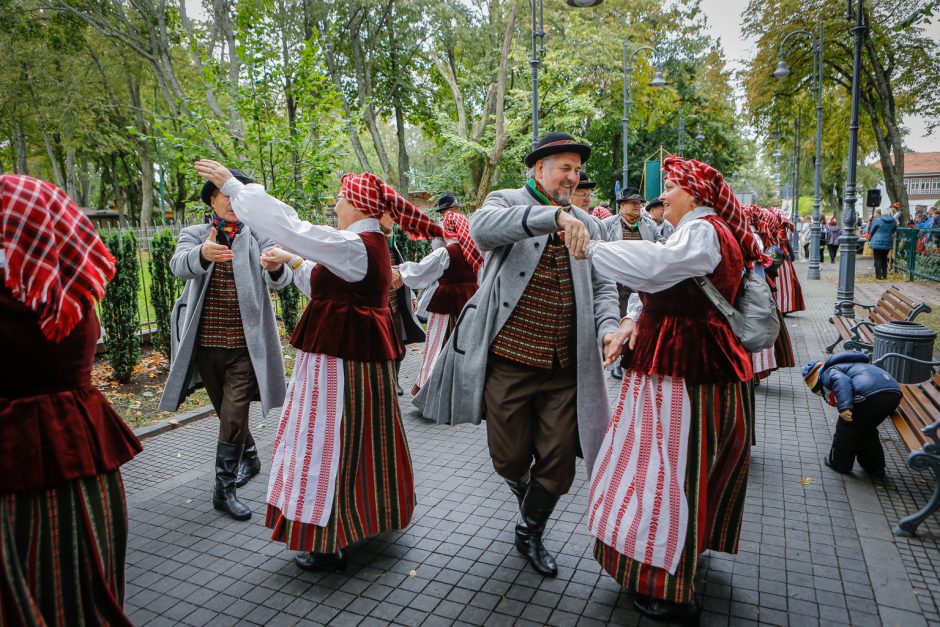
x: 847, y: 378
x: 881, y: 233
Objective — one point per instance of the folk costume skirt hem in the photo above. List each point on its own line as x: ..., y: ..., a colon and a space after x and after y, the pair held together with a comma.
x: 62, y: 554
x: 783, y: 347
x: 440, y: 326
x: 373, y: 487
x: 789, y: 291
x: 715, y: 483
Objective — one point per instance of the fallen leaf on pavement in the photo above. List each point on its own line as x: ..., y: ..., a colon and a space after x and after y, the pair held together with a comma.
x: 806, y: 480
x: 413, y: 573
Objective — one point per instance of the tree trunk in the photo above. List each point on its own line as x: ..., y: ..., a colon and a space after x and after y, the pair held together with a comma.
x: 51, y: 154
x: 146, y: 162
x: 19, y: 147
x: 291, y: 112
x: 448, y: 75
x: 71, y: 180
x: 492, y: 163
x: 364, y: 87
x: 403, y: 164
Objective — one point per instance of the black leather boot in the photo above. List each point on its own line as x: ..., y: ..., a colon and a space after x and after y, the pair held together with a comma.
x: 320, y: 562
x: 227, y: 456
x: 537, y: 506
x: 398, y: 389
x: 519, y: 488
x: 251, y: 463
x: 668, y: 611
x: 617, y: 372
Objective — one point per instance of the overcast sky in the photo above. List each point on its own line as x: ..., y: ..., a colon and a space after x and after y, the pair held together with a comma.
x: 724, y: 21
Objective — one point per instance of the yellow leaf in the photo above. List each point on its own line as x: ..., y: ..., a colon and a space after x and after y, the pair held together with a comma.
x: 413, y: 573
x: 806, y: 480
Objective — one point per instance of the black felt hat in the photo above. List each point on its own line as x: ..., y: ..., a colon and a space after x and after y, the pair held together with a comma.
x: 447, y: 201
x: 554, y: 143
x: 209, y: 188
x: 656, y: 202
x: 629, y: 194
x: 585, y: 182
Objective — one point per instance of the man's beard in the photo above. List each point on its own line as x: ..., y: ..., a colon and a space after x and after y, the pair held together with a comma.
x: 561, y: 196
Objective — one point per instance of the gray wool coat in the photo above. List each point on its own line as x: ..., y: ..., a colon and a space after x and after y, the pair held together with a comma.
x: 648, y: 229
x: 254, y: 302
x: 511, y: 230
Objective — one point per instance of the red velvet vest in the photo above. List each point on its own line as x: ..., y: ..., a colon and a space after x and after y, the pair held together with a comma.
x: 351, y: 320
x: 680, y: 332
x: 456, y: 286
x: 55, y: 426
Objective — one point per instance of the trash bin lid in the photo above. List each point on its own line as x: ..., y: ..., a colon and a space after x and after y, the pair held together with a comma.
x: 903, y: 330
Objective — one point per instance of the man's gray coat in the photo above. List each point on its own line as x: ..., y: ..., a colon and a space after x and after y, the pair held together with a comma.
x: 648, y: 229
x: 254, y: 302
x: 511, y: 229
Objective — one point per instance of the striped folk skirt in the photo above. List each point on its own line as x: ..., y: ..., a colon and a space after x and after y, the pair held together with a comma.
x: 62, y: 554
x: 783, y: 347
x: 789, y: 292
x: 440, y: 326
x: 719, y: 449
x: 370, y: 485
x: 764, y: 362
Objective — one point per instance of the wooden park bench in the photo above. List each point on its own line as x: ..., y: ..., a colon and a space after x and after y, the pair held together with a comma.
x: 917, y: 422
x: 858, y: 333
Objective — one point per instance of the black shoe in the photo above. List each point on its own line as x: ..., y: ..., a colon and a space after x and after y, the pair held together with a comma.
x: 537, y: 506
x: 617, y: 372
x: 227, y: 456
x: 398, y: 389
x: 828, y: 463
x: 667, y: 611
x: 251, y: 464
x: 322, y: 562
x: 519, y: 488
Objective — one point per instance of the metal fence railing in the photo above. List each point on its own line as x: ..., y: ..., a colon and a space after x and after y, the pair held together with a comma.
x: 917, y: 253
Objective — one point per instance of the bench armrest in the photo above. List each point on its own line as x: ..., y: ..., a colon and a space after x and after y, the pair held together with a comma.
x: 916, y: 311
x: 852, y: 302
x: 905, y: 358
x: 931, y: 432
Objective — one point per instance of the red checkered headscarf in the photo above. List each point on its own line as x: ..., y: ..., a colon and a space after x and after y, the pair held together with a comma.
x: 56, y: 263
x: 373, y: 197
x: 601, y: 212
x: 708, y: 186
x: 456, y: 226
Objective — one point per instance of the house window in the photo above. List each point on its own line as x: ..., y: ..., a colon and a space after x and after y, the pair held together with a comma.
x: 935, y: 185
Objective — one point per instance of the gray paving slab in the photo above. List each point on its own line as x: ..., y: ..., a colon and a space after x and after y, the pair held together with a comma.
x: 816, y: 547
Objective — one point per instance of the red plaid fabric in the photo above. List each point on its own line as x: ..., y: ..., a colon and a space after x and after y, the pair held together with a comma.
x: 709, y: 187
x: 56, y: 263
x: 601, y: 213
x: 457, y: 226
x: 373, y: 197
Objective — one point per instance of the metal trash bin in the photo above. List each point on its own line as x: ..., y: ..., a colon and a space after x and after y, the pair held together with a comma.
x: 911, y: 339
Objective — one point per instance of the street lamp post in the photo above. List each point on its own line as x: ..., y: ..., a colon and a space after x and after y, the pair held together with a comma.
x: 682, y: 120
x: 783, y: 71
x: 658, y: 81
x: 538, y: 51
x: 845, y: 295
x: 795, y: 190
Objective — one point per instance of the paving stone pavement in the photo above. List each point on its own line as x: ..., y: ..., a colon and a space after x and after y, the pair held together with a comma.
x: 816, y: 547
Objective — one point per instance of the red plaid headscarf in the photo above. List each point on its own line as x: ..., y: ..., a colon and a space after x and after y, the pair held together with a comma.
x: 373, y: 197
x: 601, y: 213
x: 56, y: 263
x: 709, y: 187
x: 457, y: 226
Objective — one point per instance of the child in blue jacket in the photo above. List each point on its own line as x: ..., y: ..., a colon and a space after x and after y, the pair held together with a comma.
x: 864, y: 395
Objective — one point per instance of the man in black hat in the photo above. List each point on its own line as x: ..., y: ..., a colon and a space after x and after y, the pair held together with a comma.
x: 525, y: 354
x: 655, y: 209
x: 629, y: 224
x: 582, y: 194
x: 224, y: 335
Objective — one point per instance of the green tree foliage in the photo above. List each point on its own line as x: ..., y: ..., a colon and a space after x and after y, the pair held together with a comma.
x: 119, y: 314
x: 164, y: 286
x: 899, y: 68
